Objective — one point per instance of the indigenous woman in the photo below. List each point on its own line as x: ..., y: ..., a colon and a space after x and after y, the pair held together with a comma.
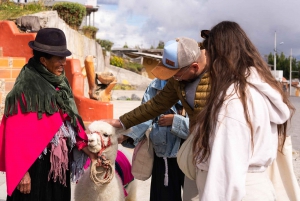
x: 41, y: 134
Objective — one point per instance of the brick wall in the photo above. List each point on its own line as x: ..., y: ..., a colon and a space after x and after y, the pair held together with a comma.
x: 10, y: 68
x: 2, y: 96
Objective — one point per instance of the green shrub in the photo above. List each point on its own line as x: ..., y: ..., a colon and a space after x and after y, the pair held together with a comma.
x: 124, y: 87
x: 106, y: 44
x: 134, y: 67
x: 35, y: 6
x: 116, y: 61
x: 12, y: 10
x: 90, y: 31
x: 71, y: 13
x: 125, y: 64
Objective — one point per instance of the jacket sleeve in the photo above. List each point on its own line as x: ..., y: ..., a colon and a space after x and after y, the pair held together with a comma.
x: 180, y: 126
x: 152, y: 108
x: 139, y: 130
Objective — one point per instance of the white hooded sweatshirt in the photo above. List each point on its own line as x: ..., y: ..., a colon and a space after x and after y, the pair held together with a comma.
x: 232, y: 155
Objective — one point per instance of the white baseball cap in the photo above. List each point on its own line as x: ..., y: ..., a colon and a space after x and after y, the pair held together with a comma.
x: 177, y: 54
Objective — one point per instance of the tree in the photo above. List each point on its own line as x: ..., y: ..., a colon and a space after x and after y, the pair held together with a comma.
x: 106, y: 44
x: 160, y: 45
x: 151, y: 47
x: 283, y: 63
x: 125, y: 46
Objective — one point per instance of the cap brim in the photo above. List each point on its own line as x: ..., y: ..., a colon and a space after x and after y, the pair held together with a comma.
x: 162, y: 72
x: 56, y: 53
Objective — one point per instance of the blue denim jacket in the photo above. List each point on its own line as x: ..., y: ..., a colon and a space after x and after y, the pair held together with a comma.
x: 166, y: 140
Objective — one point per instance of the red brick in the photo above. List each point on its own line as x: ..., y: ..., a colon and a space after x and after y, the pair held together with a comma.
x: 4, y: 62
x: 10, y: 80
x: 5, y: 73
x: 8, y: 85
x: 18, y: 62
x: 15, y: 73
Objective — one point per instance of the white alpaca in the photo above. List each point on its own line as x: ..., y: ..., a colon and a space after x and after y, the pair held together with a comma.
x: 100, y: 183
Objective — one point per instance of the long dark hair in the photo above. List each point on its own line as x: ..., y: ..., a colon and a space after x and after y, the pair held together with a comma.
x: 230, y: 54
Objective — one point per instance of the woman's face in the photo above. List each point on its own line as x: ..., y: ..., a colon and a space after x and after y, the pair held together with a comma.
x: 55, y: 64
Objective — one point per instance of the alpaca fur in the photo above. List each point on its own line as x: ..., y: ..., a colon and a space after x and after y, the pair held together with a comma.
x: 86, y: 189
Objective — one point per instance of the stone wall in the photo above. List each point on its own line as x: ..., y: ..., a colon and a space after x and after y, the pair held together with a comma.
x: 125, y: 76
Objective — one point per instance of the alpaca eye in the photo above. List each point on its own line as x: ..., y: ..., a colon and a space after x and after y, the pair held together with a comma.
x: 105, y: 135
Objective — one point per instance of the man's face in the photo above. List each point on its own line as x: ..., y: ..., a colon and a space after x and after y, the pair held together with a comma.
x: 191, y: 72
x: 181, y: 75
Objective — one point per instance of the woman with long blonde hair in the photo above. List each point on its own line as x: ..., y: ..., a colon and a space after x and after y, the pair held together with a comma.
x: 246, y: 113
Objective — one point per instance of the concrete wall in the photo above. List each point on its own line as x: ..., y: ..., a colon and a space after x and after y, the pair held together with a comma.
x: 125, y: 76
x: 81, y: 46
x: 77, y: 43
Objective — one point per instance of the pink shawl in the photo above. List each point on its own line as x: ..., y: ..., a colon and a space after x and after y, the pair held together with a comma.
x: 22, y: 139
x: 126, y: 175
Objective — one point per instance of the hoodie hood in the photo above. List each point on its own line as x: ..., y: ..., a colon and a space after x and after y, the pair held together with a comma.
x: 278, y: 110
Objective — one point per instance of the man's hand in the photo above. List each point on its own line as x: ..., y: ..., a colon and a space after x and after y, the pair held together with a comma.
x: 25, y: 184
x: 122, y: 138
x: 114, y: 122
x: 166, y: 120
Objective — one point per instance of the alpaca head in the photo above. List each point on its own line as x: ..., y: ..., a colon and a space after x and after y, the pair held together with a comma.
x: 102, y: 135
x: 94, y: 142
x: 103, y: 140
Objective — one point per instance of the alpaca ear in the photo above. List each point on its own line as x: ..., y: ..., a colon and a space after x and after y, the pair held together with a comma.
x: 121, y: 131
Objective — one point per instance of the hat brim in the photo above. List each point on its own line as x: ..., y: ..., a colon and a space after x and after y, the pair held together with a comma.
x: 162, y: 72
x: 55, y: 53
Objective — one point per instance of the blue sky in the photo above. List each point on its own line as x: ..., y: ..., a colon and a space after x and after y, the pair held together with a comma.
x: 145, y: 23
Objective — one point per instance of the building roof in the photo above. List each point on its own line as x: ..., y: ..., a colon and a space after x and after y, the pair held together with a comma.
x: 147, y: 55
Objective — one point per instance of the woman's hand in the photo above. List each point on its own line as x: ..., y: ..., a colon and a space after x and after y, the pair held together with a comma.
x: 91, y: 155
x: 166, y: 120
x: 25, y: 184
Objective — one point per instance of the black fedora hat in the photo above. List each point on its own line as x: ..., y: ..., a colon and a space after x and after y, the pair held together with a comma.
x: 51, y: 41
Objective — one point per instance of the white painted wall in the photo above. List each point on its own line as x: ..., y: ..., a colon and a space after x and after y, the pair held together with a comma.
x: 77, y: 43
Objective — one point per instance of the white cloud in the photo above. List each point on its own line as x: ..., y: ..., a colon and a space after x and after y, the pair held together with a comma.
x: 108, y: 1
x: 146, y: 22
x: 116, y: 29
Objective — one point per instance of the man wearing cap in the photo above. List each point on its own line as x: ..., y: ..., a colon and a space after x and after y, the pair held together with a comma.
x: 183, y: 64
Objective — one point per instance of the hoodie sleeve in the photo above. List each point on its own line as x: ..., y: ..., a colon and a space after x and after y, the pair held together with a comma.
x: 229, y: 159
